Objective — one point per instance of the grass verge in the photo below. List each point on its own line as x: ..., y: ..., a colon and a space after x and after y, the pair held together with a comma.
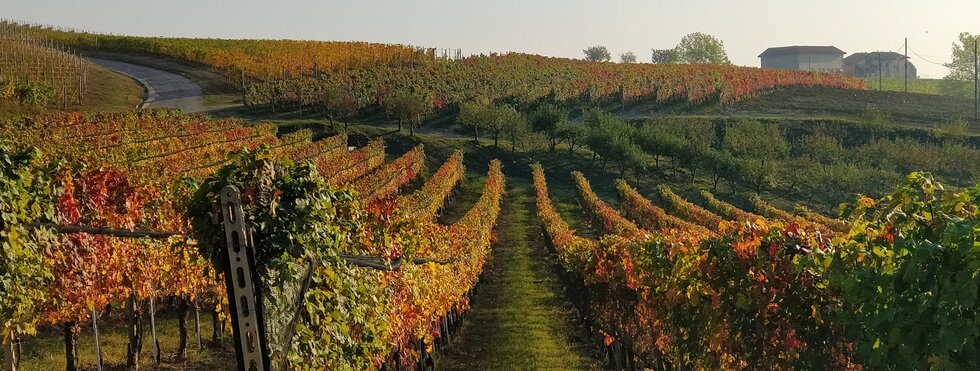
x: 519, y: 319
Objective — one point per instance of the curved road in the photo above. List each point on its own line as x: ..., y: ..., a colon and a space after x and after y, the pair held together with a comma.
x: 163, y: 89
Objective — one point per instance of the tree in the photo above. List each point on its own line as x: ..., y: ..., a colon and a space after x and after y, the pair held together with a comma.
x: 961, y: 68
x: 607, y: 135
x: 338, y: 101
x: 500, y: 119
x: 759, y: 148
x: 548, y: 119
x: 597, y: 53
x: 698, y: 139
x: 721, y: 165
x: 624, y: 153
x: 700, y: 48
x: 516, y: 126
x: 473, y: 115
x: 627, y: 57
x: 822, y: 148
x: 659, y: 141
x: 572, y: 134
x: 663, y: 56
x: 410, y: 107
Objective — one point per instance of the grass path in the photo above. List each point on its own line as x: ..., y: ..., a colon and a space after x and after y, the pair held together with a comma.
x: 519, y: 319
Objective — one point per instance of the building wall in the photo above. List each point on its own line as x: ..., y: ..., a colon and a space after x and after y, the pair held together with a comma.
x: 805, y: 62
x: 786, y: 62
x: 889, y: 68
x: 821, y: 62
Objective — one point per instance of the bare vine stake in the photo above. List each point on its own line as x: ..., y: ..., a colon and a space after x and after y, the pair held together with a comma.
x: 197, y: 325
x: 153, y: 332
x: 95, y: 329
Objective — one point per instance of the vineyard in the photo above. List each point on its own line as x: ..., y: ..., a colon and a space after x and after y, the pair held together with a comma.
x: 780, y: 290
x: 117, y: 210
x: 347, y: 77
x: 680, y: 240
x: 37, y: 71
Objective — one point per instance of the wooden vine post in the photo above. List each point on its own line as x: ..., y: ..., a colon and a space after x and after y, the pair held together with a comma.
x: 95, y: 330
x: 10, y: 354
x: 246, y: 313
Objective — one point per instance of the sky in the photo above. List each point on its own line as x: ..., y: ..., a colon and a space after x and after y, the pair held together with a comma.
x: 548, y: 27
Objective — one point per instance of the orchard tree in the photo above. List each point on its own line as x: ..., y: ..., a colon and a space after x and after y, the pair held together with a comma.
x: 607, y: 136
x: 572, y: 134
x: 698, y: 138
x: 822, y: 148
x: 338, y: 101
x: 516, y: 127
x: 659, y: 141
x: 473, y: 115
x: 597, y: 53
x: 501, y: 118
x: 409, y: 107
x: 548, y: 119
x: 759, y: 148
x: 627, y: 57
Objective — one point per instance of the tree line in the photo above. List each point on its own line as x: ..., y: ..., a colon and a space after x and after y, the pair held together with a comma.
x: 822, y: 164
x: 694, y: 48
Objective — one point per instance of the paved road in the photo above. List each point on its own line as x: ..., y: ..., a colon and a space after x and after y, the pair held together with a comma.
x: 163, y: 89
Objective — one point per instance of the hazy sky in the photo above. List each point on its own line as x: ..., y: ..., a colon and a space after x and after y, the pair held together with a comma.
x: 549, y: 27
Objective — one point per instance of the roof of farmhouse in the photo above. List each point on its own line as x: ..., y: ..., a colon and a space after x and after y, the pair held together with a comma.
x: 797, y: 49
x: 885, y: 56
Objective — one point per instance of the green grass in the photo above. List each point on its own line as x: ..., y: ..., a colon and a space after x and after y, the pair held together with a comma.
x: 919, y: 86
x: 106, y: 91
x: 909, y: 110
x: 46, y: 351
x: 109, y: 91
x: 519, y: 319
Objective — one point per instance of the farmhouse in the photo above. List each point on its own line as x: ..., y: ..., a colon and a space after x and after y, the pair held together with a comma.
x: 866, y: 65
x: 804, y: 58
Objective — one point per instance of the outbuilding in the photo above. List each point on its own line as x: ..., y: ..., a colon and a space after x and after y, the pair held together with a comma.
x: 804, y: 58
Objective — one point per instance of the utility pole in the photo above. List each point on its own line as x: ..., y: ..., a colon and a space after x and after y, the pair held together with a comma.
x: 976, y: 80
x: 879, y: 70
x: 906, y: 65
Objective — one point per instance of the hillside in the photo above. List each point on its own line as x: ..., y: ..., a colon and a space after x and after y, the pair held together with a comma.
x: 336, y: 205
x: 910, y: 109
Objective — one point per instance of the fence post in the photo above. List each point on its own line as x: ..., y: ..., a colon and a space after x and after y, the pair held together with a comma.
x: 246, y: 312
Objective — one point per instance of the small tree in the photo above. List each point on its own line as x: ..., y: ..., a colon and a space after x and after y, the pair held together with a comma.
x: 499, y: 120
x: 516, y: 127
x: 759, y: 148
x: 659, y: 141
x: 606, y: 133
x: 472, y: 115
x: 663, y: 56
x: 822, y: 148
x: 548, y: 119
x: 597, y: 53
x: 627, y: 57
x: 409, y: 107
x: 959, y: 81
x: 338, y: 101
x: 572, y: 134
